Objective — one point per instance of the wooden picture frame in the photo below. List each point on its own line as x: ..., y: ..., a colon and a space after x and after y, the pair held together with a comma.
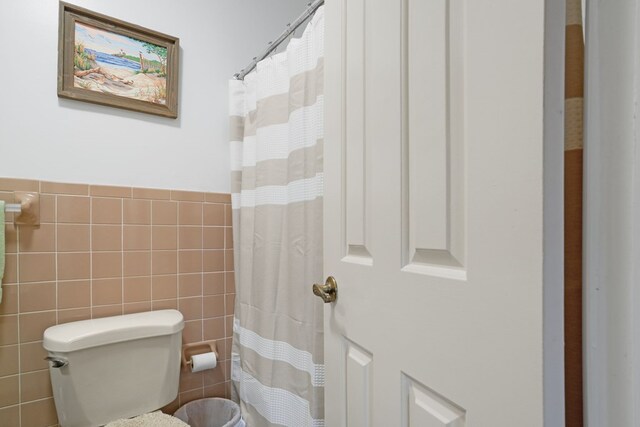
x: 92, y: 69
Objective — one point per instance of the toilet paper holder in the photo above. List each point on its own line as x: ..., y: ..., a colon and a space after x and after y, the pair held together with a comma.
x: 190, y: 350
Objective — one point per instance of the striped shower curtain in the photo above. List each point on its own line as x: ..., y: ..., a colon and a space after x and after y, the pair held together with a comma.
x: 276, y: 129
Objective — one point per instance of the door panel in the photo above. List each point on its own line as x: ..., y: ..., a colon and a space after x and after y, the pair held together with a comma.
x: 433, y: 137
x: 357, y: 162
x: 358, y: 385
x: 425, y: 408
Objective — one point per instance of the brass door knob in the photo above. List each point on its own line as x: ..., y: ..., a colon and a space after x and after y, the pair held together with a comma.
x: 329, y: 291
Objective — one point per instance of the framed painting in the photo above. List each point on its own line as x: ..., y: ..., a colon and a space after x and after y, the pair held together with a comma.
x: 107, y: 61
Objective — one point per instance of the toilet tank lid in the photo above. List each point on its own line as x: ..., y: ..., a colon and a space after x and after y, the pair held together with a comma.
x: 108, y: 330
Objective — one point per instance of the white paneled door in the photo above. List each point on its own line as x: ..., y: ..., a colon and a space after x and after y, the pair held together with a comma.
x: 440, y: 223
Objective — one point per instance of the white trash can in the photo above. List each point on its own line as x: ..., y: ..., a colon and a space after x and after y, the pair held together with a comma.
x: 211, y: 412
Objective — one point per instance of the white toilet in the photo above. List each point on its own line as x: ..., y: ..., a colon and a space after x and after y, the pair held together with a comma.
x: 114, y: 367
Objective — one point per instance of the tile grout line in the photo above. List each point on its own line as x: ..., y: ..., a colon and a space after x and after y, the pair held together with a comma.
x: 179, y: 397
x: 122, y: 255
x: 114, y: 251
x: 55, y: 245
x: 90, y: 257
x: 150, y: 252
x: 202, y: 274
x: 177, y: 256
x: 18, y: 319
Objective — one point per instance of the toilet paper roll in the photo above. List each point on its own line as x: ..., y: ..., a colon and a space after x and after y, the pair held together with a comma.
x: 200, y: 362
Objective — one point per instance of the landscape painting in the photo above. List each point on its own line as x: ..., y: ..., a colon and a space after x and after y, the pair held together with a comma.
x: 107, y: 61
x: 116, y: 64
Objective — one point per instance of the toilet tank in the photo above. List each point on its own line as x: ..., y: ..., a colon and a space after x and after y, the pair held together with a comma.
x: 116, y: 367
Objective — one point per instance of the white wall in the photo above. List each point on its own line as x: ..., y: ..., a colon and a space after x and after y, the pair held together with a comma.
x: 44, y: 137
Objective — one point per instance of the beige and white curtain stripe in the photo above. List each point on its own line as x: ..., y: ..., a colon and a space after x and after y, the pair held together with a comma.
x: 276, y: 129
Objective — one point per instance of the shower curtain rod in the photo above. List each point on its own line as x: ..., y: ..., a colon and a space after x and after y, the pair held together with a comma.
x: 313, y: 6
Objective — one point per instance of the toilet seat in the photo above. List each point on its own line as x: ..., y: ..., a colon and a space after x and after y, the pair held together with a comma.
x: 153, y: 419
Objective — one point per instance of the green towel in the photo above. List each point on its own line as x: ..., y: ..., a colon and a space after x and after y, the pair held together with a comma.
x: 2, y: 247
